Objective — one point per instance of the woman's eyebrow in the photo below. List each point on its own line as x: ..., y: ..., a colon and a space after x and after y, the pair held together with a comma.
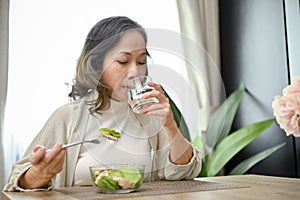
x: 143, y: 54
x: 128, y: 53
x: 124, y: 52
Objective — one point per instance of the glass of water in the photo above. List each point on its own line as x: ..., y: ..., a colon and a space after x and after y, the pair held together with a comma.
x: 137, y: 87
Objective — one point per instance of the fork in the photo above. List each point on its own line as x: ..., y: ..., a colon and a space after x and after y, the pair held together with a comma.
x: 95, y: 141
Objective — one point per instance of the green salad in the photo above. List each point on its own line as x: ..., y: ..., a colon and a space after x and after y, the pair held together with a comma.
x: 127, y: 177
x: 110, y: 134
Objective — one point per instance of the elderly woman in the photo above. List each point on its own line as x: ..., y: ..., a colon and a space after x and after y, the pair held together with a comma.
x: 114, y: 53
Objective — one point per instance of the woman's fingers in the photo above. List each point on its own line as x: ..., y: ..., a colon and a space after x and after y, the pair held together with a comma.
x: 55, y: 158
x: 58, y: 161
x: 38, y: 155
x: 161, y: 110
x: 49, y: 163
x: 158, y: 93
x: 52, y: 153
x: 37, y: 148
x: 156, y: 87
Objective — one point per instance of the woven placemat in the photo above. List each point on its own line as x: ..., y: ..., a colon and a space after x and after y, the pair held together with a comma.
x: 150, y: 188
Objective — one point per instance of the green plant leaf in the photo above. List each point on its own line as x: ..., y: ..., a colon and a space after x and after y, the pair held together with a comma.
x: 232, y: 144
x: 178, y: 118
x: 221, y: 120
x: 245, y: 165
x: 203, y: 172
x: 198, y: 143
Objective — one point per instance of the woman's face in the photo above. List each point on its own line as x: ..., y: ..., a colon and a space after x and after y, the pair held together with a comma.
x: 123, y: 62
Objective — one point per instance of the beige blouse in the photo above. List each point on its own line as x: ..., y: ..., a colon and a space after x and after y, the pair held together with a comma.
x: 70, y: 123
x: 132, y: 147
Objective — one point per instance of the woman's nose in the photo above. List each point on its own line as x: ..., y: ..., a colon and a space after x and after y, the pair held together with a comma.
x: 134, y: 71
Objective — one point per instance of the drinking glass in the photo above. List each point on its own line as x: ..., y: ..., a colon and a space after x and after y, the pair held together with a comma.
x: 137, y: 87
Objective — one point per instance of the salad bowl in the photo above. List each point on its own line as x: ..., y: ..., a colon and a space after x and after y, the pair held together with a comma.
x: 116, y: 179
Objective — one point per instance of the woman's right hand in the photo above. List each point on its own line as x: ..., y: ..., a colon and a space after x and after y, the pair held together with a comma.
x: 45, y: 165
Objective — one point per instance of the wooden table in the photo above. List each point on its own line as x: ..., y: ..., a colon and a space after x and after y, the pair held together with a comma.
x: 256, y: 187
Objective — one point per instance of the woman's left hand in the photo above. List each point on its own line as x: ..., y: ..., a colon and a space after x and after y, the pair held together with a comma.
x: 181, y: 151
x: 161, y: 110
